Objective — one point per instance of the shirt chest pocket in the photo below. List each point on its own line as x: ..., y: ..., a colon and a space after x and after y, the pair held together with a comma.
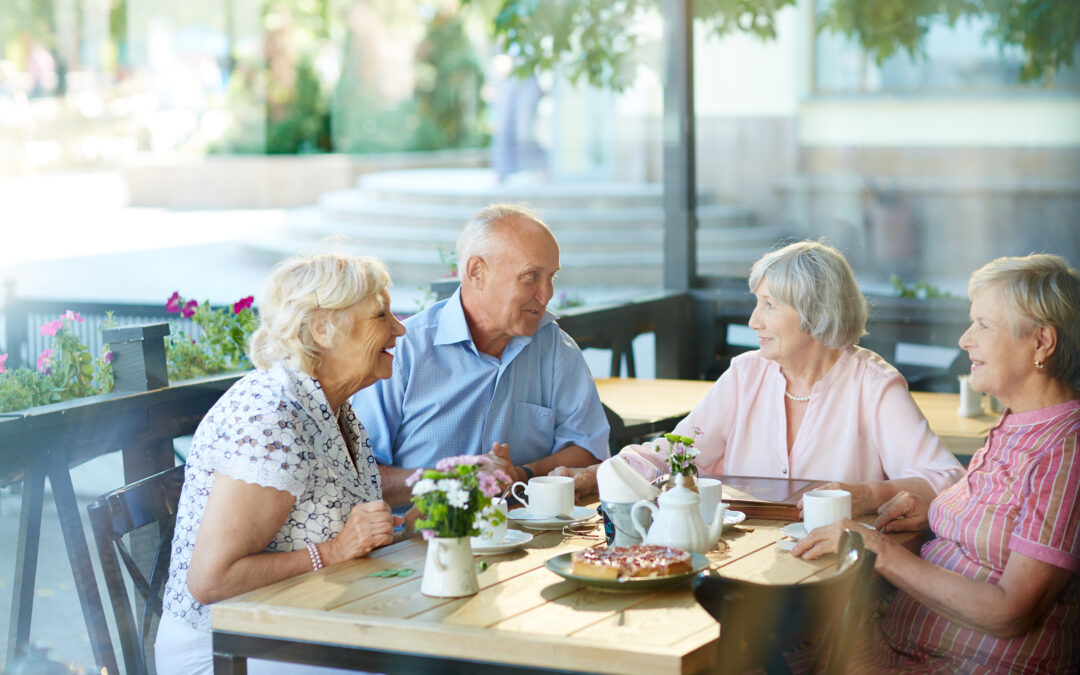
x: 533, y: 431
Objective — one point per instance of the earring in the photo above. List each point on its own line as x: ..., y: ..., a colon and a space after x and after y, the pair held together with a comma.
x: 1039, y: 365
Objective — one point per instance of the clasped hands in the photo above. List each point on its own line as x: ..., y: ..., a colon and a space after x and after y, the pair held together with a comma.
x: 584, y: 478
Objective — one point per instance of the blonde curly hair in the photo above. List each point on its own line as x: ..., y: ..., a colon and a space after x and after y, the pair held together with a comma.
x: 300, y: 288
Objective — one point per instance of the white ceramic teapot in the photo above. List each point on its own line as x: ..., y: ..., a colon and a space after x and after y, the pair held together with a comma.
x: 678, y: 522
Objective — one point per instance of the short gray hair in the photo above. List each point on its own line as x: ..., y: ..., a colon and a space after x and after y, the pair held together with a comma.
x: 297, y: 290
x: 1039, y: 290
x: 817, y: 282
x: 480, y: 237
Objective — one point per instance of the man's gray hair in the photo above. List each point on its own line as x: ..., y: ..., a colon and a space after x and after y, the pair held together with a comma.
x: 480, y: 237
x: 1039, y: 290
x: 817, y: 282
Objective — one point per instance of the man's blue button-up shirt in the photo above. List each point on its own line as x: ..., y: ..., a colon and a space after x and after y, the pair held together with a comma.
x: 447, y: 398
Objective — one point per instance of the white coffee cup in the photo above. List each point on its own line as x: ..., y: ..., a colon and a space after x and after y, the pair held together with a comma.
x: 549, y: 496
x: 821, y: 507
x: 712, y: 492
x: 492, y: 534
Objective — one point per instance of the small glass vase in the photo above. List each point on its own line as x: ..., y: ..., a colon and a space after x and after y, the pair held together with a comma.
x: 689, y: 481
x: 449, y: 570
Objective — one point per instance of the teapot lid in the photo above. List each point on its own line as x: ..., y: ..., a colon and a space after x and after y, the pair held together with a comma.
x: 679, y: 495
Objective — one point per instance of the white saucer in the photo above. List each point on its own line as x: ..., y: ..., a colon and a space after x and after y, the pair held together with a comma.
x: 523, y: 517
x: 794, y: 530
x: 733, y: 518
x: 513, y: 540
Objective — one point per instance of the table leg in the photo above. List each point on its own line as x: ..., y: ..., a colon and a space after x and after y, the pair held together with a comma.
x: 67, y: 510
x: 227, y: 664
x: 26, y: 554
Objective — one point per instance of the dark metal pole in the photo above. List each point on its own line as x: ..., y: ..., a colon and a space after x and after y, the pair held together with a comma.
x: 680, y: 194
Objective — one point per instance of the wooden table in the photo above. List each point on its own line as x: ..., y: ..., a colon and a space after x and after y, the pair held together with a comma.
x: 655, y: 406
x: 524, y: 619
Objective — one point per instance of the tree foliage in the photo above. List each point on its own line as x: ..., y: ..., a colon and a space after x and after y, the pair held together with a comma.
x: 594, y: 39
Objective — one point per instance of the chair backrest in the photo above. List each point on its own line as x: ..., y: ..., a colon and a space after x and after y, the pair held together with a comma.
x: 759, y: 621
x: 114, y: 515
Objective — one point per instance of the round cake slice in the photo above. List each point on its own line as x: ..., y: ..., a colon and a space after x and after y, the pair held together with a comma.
x: 622, y: 562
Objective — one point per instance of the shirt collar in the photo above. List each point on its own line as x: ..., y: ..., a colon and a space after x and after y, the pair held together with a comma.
x: 453, y: 328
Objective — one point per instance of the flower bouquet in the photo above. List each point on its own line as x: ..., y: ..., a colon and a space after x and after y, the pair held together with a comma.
x: 681, y: 453
x: 456, y: 496
x: 454, y: 499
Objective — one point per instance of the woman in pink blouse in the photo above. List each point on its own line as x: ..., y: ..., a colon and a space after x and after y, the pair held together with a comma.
x: 997, y: 589
x: 809, y: 403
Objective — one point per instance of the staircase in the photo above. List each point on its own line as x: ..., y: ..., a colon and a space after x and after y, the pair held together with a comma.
x: 610, y: 234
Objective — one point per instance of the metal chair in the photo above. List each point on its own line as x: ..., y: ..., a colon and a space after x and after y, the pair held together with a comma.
x: 147, y: 502
x: 758, y: 622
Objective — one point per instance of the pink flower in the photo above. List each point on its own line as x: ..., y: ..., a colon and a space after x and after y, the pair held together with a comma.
x: 72, y: 316
x: 416, y: 475
x: 52, y: 327
x: 44, y: 359
x: 488, y: 485
x: 188, y: 310
x: 108, y: 356
x: 3, y: 357
x: 449, y: 463
x: 243, y: 304
x: 172, y: 306
x: 428, y: 534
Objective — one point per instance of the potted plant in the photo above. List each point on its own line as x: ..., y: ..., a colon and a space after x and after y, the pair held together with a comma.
x: 454, y: 499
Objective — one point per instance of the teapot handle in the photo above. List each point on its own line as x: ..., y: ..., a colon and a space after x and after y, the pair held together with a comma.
x: 634, y: 516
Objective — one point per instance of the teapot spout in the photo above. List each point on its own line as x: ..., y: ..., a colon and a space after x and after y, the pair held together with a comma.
x: 716, y: 527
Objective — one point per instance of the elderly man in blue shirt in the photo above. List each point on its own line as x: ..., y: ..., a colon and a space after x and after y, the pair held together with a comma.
x: 488, y: 369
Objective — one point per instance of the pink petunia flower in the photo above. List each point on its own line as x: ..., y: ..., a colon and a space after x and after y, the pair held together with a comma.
x: 188, y: 309
x: 243, y: 304
x: 428, y: 534
x: 72, y: 316
x: 3, y: 357
x: 52, y: 327
x: 411, y: 480
x: 44, y: 359
x: 172, y: 306
x: 108, y: 356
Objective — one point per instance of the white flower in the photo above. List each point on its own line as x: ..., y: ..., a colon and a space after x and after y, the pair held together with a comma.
x: 457, y: 498
x: 423, y: 486
x: 448, y: 484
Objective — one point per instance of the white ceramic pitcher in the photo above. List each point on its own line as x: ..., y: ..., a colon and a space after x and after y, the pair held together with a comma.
x: 449, y: 571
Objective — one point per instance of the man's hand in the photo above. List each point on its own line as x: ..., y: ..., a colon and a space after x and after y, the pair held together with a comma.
x: 500, y: 459
x: 584, y: 479
x: 905, y: 512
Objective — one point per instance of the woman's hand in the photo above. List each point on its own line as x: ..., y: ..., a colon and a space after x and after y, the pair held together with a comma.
x: 584, y: 479
x: 826, y: 539
x: 369, y: 526
x: 905, y: 512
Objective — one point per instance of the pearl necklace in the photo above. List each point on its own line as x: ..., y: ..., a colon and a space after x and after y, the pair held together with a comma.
x: 797, y: 399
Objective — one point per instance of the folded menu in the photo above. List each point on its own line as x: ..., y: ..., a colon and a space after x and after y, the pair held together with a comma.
x: 768, y: 498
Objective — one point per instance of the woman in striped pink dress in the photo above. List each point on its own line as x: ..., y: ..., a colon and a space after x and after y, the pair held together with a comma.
x: 997, y: 589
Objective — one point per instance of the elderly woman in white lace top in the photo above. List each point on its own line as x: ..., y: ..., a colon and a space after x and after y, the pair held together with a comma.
x: 280, y: 478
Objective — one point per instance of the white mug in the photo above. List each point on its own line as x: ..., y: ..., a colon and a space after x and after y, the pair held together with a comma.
x: 712, y: 492
x: 821, y: 507
x: 549, y: 496
x: 492, y: 534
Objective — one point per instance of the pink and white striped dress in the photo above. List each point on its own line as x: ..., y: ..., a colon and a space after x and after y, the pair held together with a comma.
x: 1022, y: 494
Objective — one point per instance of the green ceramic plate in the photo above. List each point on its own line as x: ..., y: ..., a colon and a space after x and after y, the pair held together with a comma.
x: 562, y: 566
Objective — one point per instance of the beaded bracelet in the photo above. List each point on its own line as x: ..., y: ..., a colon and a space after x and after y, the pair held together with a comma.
x: 316, y: 559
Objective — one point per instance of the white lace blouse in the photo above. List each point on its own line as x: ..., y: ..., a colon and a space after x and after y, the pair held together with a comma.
x: 273, y: 428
